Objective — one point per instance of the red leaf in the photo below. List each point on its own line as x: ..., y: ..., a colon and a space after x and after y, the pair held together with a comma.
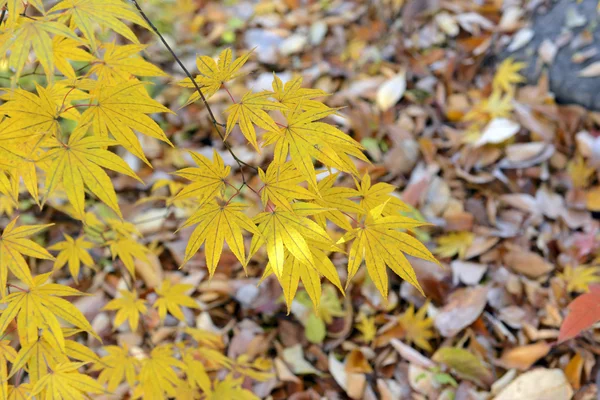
x: 584, y: 312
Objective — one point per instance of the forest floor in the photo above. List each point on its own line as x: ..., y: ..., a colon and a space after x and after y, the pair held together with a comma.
x: 507, y: 179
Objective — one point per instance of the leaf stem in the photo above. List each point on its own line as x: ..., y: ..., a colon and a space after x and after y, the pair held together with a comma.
x: 217, y: 125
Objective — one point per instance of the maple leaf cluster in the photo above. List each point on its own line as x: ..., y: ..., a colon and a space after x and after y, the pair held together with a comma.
x: 58, y: 142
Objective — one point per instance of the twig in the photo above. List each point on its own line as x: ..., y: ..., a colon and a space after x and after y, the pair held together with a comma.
x: 216, y: 124
x: 2, y: 15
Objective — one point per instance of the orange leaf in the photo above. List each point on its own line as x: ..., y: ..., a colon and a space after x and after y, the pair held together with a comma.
x: 584, y: 312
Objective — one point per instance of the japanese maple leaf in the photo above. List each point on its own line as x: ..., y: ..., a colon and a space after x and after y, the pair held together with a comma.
x: 20, y: 36
x: 9, y: 186
x: 77, y: 164
x: 119, y: 63
x: 30, y: 115
x: 294, y: 271
x: 208, y: 179
x: 128, y: 250
x: 7, y: 354
x: 250, y: 111
x: 372, y: 196
x: 291, y: 231
x: 87, y: 14
x: 158, y: 377
x: 65, y: 49
x: 66, y: 383
x: 121, y: 109
x: 43, y: 353
x: 417, y: 327
x: 171, y: 298
x: 292, y: 93
x: 507, y: 75
x: 39, y: 308
x: 14, y: 244
x: 219, y: 222
x: 73, y: 251
x: 337, y: 199
x: 378, y: 242
x: 281, y: 185
x: 18, y: 7
x: 584, y: 312
x: 129, y: 307
x: 213, y: 75
x: 452, y: 244
x: 305, y: 139
x: 116, y: 366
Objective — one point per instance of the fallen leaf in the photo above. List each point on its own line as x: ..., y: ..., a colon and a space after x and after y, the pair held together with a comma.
x: 526, y: 262
x: 584, y: 312
x: 539, y: 384
x: 462, y: 310
x: 294, y: 357
x: 497, y: 131
x: 391, y: 91
x: 523, y: 357
x: 464, y: 363
x: 469, y: 273
x: 573, y: 371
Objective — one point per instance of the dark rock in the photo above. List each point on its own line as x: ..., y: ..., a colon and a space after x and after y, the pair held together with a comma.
x: 574, y: 28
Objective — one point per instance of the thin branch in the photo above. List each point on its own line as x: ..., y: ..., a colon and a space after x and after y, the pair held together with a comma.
x: 2, y: 15
x: 216, y: 124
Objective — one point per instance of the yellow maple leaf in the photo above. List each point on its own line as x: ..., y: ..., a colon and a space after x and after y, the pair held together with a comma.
x: 77, y: 164
x: 294, y: 271
x: 281, y: 185
x: 453, y: 244
x: 65, y: 49
x: 372, y: 195
x: 219, y: 222
x: 213, y: 75
x: 38, y: 308
x: 337, y: 200
x: 65, y: 382
x: 119, y: 63
x: 417, y: 327
x: 579, y: 278
x: 13, y: 246
x: 30, y: 114
x: 366, y: 326
x: 250, y: 111
x: 304, y: 138
x: 580, y: 172
x: 171, y: 298
x: 378, y: 242
x: 128, y: 249
x: 497, y: 105
x: 129, y: 307
x: 122, y: 109
x: 38, y: 356
x: 291, y: 231
x: 230, y: 388
x: 7, y: 354
x: 158, y: 377
x: 73, y: 251
x: 23, y: 34
x: 292, y: 93
x: 87, y: 14
x: 507, y: 75
x: 21, y: 392
x: 117, y: 366
x: 208, y: 179
x: 18, y: 7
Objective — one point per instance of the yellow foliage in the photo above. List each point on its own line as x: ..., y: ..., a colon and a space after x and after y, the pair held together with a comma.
x: 417, y: 327
x: 579, y: 278
x: 454, y: 244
